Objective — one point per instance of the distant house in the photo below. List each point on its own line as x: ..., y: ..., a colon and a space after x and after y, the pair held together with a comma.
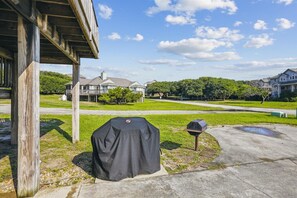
x: 286, y: 81
x: 90, y: 89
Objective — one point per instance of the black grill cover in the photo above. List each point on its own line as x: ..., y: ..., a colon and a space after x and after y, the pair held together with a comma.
x: 125, y: 147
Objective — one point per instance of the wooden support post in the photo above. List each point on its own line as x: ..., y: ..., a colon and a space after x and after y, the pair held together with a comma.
x: 28, y: 108
x: 14, y: 102
x: 75, y: 103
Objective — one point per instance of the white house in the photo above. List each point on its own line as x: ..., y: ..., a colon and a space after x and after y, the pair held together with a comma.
x: 90, y: 89
x: 286, y: 81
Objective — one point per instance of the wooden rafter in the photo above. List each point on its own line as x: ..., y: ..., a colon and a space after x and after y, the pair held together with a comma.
x: 46, y: 29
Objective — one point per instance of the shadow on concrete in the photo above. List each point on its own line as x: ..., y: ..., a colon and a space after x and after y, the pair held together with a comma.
x: 84, y: 161
x: 168, y: 145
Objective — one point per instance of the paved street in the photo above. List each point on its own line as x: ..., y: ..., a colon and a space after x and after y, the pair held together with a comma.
x: 227, y: 107
x: 253, y: 165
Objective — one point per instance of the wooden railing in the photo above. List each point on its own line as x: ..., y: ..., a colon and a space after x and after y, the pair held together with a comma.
x: 85, y: 14
x: 5, y: 72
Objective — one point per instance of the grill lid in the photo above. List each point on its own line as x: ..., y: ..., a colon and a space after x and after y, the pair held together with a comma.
x: 197, y: 125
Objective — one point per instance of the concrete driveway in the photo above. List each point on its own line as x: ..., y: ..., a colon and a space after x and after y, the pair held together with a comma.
x: 252, y: 166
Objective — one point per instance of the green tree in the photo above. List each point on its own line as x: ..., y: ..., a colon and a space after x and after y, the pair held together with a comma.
x: 226, y: 88
x: 264, y: 93
x: 53, y: 82
x: 160, y: 88
x: 190, y: 88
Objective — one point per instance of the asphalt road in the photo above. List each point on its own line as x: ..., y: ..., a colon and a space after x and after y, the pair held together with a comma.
x: 227, y: 107
x: 5, y: 109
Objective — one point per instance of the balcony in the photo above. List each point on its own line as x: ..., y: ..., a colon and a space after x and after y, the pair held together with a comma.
x: 68, y: 28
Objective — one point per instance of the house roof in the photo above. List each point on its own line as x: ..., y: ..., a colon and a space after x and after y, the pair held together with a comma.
x: 120, y: 82
x: 266, y: 80
x: 275, y: 77
x: 293, y: 69
x: 95, y: 81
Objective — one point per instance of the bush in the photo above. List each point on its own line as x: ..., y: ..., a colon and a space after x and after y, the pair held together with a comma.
x: 119, y: 96
x: 288, y: 96
x: 104, y: 98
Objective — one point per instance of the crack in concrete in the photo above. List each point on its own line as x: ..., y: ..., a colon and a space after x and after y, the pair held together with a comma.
x: 79, y: 190
x: 263, y: 160
x: 251, y: 185
x: 293, y: 161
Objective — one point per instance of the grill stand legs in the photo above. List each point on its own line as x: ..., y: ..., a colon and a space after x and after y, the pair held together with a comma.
x: 196, y: 142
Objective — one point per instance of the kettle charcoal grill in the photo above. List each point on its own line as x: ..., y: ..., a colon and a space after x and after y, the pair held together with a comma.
x: 195, y: 128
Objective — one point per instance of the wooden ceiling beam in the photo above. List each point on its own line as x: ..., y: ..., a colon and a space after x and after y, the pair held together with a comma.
x: 61, y: 11
x: 48, y: 30
x: 54, y: 60
x: 59, y: 2
x: 63, y: 22
x: 5, y: 53
x: 8, y: 16
x: 8, y: 32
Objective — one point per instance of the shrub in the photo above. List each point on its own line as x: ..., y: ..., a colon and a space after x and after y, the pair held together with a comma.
x: 288, y: 96
x: 119, y: 96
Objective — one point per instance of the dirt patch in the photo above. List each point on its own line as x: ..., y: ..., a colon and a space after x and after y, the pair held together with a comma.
x: 183, y: 158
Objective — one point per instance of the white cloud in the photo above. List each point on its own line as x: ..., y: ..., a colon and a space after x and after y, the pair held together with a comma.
x: 222, y: 33
x: 170, y: 62
x: 190, y: 45
x: 198, y: 49
x: 268, y: 64
x: 149, y: 68
x: 260, y: 25
x: 138, y: 37
x: 286, y: 2
x: 284, y: 23
x: 114, y: 36
x: 213, y: 56
x: 259, y: 41
x: 237, y: 23
x: 116, y: 72
x: 180, y: 20
x: 104, y: 11
x: 192, y: 6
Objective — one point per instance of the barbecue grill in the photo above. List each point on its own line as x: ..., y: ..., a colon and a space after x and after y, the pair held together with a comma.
x: 195, y: 128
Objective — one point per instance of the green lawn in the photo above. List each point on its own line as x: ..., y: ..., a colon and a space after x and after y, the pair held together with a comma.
x: 4, y: 101
x: 267, y: 104
x: 52, y: 101
x: 64, y: 163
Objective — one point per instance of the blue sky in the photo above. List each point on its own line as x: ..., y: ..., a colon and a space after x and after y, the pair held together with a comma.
x: 168, y: 40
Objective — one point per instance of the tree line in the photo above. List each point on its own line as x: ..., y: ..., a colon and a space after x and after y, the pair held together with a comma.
x: 208, y: 88
x: 53, y: 82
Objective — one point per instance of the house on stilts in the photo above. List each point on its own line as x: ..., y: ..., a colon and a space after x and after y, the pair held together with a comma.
x: 34, y: 32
